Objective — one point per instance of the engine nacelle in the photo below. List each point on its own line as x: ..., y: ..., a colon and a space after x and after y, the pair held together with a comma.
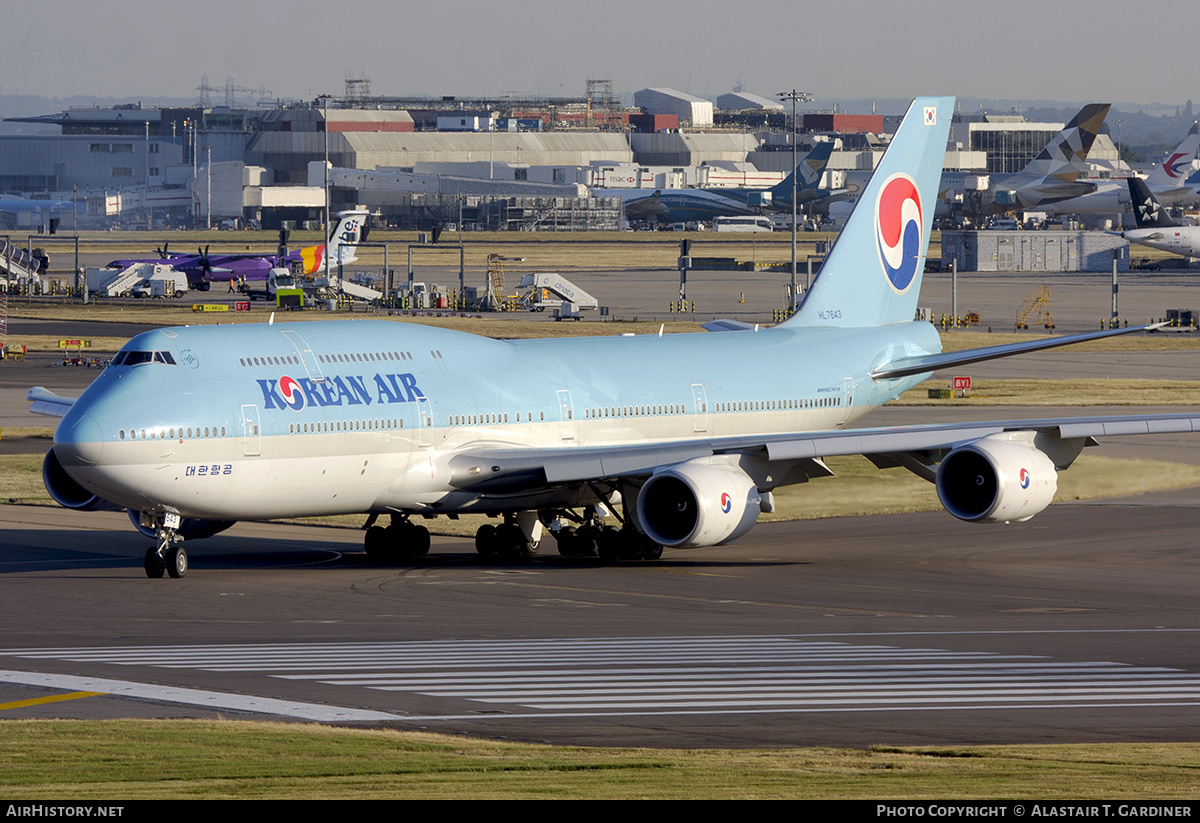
x: 698, y: 503
x: 996, y: 479
x: 66, y: 491
x: 189, y: 527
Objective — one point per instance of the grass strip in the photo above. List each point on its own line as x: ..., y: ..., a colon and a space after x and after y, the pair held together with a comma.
x: 191, y: 759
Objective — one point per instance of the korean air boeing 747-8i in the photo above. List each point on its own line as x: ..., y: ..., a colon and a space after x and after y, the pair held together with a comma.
x: 681, y: 437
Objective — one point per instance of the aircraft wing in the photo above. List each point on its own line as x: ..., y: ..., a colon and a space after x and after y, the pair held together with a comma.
x: 508, y: 471
x: 646, y: 206
x: 44, y: 401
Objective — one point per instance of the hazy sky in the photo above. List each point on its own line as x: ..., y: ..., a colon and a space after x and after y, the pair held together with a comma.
x: 1067, y: 50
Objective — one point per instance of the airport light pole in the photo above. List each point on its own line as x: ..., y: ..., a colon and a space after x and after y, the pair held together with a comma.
x: 794, y: 96
x: 325, y: 126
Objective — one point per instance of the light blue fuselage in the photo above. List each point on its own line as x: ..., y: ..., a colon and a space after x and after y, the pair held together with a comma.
x: 240, y: 427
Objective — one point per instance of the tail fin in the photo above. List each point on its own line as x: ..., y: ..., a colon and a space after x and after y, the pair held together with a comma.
x: 1146, y: 209
x: 351, y: 229
x: 873, y: 275
x: 349, y: 232
x: 808, y: 173
x: 1176, y: 167
x: 1065, y: 156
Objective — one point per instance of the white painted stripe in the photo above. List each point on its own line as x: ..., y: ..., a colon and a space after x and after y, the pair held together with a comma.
x: 565, y: 715
x: 734, y: 688
x: 194, y: 697
x: 567, y: 678
x: 666, y: 676
x: 836, y: 702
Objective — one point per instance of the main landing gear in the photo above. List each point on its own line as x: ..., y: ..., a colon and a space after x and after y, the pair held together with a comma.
x: 401, y: 540
x: 608, y: 542
x: 167, y: 555
x: 519, y: 537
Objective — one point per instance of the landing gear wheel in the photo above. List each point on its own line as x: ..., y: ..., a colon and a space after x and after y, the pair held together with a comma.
x: 377, y: 545
x: 154, y: 565
x: 177, y: 562
x: 485, y: 541
x: 610, y: 543
x: 417, y: 541
x: 568, y: 542
x: 511, y: 542
x: 652, y: 550
x: 585, y: 541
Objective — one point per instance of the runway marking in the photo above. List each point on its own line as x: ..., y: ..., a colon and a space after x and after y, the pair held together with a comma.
x: 672, y: 675
x: 53, y: 698
x: 194, y: 697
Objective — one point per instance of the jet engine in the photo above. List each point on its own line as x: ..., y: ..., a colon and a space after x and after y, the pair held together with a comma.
x: 66, y: 492
x: 698, y: 503
x: 996, y: 479
x: 189, y: 527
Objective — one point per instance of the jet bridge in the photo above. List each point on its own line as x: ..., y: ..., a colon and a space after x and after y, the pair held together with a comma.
x: 549, y: 290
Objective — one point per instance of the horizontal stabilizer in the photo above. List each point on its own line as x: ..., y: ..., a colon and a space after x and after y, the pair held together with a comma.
x: 907, y: 366
x: 727, y: 325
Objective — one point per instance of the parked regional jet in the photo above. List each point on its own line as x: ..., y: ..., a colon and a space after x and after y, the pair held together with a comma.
x: 683, y: 205
x: 1156, y: 228
x: 1052, y: 175
x: 686, y: 435
x: 203, y: 269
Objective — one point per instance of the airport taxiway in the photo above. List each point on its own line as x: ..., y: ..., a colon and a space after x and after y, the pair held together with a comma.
x: 1078, y: 625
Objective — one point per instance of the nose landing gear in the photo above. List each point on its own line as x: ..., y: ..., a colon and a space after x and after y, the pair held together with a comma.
x: 168, y: 555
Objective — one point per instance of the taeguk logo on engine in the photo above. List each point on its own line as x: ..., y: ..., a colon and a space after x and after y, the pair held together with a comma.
x: 898, y: 222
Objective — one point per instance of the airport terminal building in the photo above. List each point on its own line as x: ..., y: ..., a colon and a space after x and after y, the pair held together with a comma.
x: 544, y: 165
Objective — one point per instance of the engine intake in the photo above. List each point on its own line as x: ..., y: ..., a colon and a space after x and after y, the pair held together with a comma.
x: 996, y: 479
x: 66, y: 491
x: 697, y: 503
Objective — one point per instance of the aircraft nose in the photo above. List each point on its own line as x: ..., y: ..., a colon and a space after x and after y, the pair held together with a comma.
x: 78, y: 441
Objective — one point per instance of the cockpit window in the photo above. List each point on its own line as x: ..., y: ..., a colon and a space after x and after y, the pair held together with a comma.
x: 137, y: 358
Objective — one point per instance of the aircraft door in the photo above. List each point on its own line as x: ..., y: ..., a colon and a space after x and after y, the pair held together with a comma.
x: 566, y: 408
x: 847, y: 400
x: 424, y: 422
x: 251, y: 432
x: 700, y: 401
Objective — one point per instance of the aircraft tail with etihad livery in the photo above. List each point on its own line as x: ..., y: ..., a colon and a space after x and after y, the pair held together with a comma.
x: 681, y: 438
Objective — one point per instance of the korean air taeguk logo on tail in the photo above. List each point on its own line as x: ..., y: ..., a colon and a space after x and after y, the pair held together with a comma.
x: 898, y: 230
